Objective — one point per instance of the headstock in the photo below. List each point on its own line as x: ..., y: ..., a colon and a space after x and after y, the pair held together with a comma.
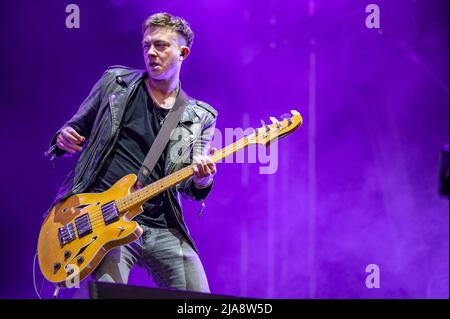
x: 279, y: 128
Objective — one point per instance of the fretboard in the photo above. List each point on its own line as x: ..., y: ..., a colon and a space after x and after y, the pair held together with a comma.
x: 144, y: 194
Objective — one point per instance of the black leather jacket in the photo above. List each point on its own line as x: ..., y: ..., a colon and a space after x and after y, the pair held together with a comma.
x: 99, y: 119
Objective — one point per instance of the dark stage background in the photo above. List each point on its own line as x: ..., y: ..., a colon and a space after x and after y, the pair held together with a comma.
x: 356, y: 185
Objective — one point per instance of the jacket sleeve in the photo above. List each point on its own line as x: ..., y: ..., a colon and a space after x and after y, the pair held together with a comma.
x: 202, y: 146
x: 84, y: 118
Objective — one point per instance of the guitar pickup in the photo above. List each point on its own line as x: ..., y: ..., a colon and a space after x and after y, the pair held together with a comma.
x: 83, y: 225
x: 66, y: 234
x: 110, y: 213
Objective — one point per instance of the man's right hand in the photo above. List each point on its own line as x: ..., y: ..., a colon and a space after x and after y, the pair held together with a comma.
x: 69, y: 140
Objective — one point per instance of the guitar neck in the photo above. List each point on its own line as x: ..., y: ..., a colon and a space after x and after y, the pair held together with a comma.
x: 144, y: 194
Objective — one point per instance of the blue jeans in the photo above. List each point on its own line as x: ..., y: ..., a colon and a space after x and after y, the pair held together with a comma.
x: 164, y: 253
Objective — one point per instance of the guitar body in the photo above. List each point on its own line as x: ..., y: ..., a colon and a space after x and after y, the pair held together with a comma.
x: 80, y: 230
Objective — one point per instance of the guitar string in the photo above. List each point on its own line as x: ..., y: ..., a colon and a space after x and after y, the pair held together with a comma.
x: 96, y: 216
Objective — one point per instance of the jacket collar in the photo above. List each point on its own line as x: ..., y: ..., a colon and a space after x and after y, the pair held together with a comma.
x: 129, y: 80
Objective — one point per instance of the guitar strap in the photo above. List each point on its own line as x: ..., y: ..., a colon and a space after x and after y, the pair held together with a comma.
x: 158, y: 146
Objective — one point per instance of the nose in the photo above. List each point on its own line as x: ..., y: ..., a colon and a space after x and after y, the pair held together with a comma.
x: 151, y: 51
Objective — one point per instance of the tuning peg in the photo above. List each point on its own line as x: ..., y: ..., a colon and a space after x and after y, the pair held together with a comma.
x: 265, y: 126
x: 287, y: 116
x: 294, y: 112
x: 275, y: 121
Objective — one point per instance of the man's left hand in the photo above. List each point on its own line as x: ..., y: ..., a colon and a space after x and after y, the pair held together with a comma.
x: 204, y: 169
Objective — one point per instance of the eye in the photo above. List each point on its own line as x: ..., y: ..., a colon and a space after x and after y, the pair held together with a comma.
x: 161, y: 45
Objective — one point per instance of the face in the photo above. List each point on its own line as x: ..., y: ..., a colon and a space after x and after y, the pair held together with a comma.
x: 161, y: 49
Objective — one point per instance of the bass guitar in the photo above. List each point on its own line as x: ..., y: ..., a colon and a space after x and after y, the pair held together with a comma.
x: 79, y: 231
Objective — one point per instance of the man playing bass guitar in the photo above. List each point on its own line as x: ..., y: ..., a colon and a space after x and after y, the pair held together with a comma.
x: 114, y: 129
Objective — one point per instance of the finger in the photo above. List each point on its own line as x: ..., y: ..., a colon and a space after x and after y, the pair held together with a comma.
x: 207, y: 170
x: 138, y: 185
x: 208, y: 160
x: 212, y: 167
x: 201, y: 170
x: 195, y: 169
x: 75, y: 147
x: 75, y: 134
x: 213, y: 150
x: 62, y: 146
x: 70, y: 146
x: 204, y: 167
x: 197, y: 172
x: 69, y: 137
x: 67, y: 146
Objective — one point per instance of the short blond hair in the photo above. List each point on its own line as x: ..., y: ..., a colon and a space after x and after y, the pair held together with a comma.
x: 164, y: 19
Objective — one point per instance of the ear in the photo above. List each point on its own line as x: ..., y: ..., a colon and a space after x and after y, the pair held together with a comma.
x: 184, y: 52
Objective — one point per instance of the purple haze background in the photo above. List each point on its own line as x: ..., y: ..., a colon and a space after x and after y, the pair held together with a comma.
x: 356, y: 184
